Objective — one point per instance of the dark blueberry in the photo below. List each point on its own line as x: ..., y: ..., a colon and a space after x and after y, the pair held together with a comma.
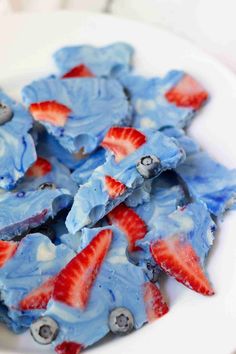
x: 44, y: 330
x: 148, y: 166
x: 47, y: 185
x: 6, y: 113
x: 20, y: 194
x: 121, y: 321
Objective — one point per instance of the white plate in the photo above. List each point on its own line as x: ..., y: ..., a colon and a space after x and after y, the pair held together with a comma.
x: 195, y: 324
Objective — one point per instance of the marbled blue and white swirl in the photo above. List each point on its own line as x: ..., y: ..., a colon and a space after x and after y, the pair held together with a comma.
x: 59, y: 176
x: 118, y: 284
x: 96, y: 104
x: 36, y: 260
x: 151, y: 108
x: 22, y: 210
x: 192, y: 222
x: 92, y: 200
x: 17, y: 151
x: 105, y: 61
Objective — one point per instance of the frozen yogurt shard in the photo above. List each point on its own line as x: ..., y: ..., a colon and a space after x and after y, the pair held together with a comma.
x: 136, y: 156
x: 105, y: 61
x: 23, y: 210
x: 77, y: 112
x: 100, y: 291
x: 27, y: 277
x: 17, y: 151
x: 162, y: 102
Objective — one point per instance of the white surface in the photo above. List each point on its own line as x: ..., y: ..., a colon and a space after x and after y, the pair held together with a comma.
x: 209, y: 23
x: 195, y: 324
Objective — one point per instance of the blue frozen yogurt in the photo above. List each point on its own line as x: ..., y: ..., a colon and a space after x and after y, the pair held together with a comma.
x: 119, y: 299
x: 152, y: 109
x: 87, y: 165
x: 193, y: 222
x: 88, y: 108
x: 17, y: 151
x: 209, y: 181
x: 58, y: 176
x: 48, y: 146
x: 27, y: 279
x: 23, y: 210
x: 105, y: 61
x: 96, y: 197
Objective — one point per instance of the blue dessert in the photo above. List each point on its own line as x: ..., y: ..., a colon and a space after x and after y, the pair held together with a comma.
x: 27, y: 277
x: 138, y: 155
x: 98, y: 291
x: 163, y: 102
x: 24, y: 210
x: 106, y: 61
x: 17, y: 151
x: 78, y: 112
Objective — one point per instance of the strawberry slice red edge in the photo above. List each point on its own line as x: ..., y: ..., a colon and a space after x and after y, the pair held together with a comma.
x: 156, y: 306
x: 123, y: 141
x: 68, y: 348
x: 78, y: 71
x: 128, y: 221
x: 74, y: 282
x: 114, y: 187
x: 40, y: 167
x: 187, y: 93
x: 7, y: 251
x: 52, y: 112
x: 38, y: 298
x: 177, y: 258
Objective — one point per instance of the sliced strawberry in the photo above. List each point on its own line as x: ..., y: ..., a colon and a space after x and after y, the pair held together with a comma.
x: 130, y: 223
x: 74, y: 282
x: 78, y: 71
x: 7, y: 251
x: 68, y: 348
x: 156, y: 306
x: 115, y: 188
x: 187, y: 93
x: 177, y: 258
x: 51, y: 112
x: 38, y: 298
x: 123, y: 141
x: 40, y: 168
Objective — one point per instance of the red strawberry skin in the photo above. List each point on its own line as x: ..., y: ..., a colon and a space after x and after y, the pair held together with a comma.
x: 51, y: 112
x: 7, y: 251
x: 177, y: 258
x: 123, y: 141
x: 156, y: 306
x: 40, y: 168
x: 78, y: 71
x: 115, y: 188
x: 127, y: 220
x: 187, y: 93
x: 68, y: 348
x: 74, y: 282
x: 38, y: 298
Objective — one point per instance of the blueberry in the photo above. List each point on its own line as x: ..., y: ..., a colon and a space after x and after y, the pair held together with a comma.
x: 121, y: 321
x: 47, y: 185
x: 148, y: 166
x: 44, y: 330
x: 6, y: 113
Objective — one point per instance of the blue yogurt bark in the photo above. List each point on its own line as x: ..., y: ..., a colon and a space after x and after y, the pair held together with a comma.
x: 138, y: 155
x: 23, y: 210
x: 78, y: 112
x: 97, y: 292
x: 106, y: 61
x: 162, y: 102
x: 17, y: 151
x: 28, y: 277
